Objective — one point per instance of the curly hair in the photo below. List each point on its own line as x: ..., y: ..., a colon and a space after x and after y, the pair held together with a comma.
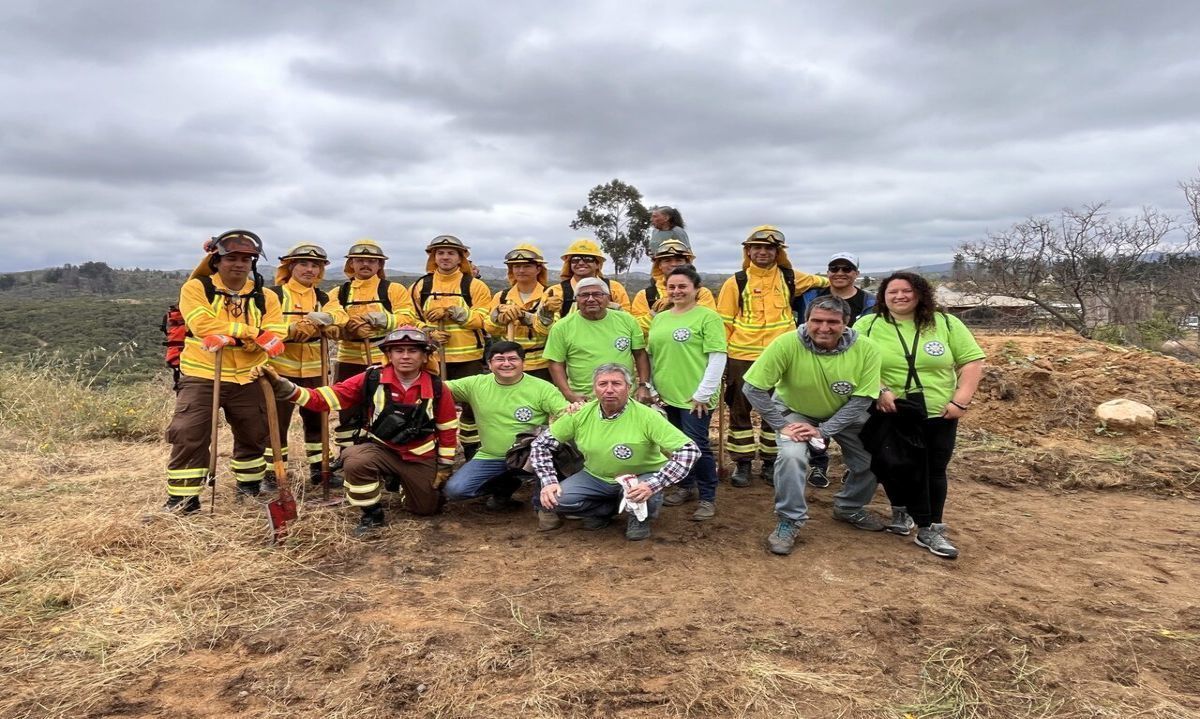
x: 926, y: 306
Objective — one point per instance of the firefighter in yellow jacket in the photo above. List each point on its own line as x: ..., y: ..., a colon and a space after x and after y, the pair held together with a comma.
x: 757, y: 305
x: 298, y: 286
x: 364, y: 309
x: 454, y: 307
x: 519, y: 304
x: 227, y: 309
x: 669, y: 254
x: 584, y: 259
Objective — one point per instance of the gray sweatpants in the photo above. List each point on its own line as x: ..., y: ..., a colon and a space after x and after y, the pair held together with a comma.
x: 791, y: 472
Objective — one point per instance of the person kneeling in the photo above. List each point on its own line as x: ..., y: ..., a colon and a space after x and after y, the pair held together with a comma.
x: 407, y: 431
x: 615, y: 437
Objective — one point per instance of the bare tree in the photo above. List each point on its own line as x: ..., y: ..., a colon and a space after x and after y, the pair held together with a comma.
x: 1083, y: 268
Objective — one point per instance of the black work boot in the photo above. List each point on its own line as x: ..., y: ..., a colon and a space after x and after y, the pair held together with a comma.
x: 182, y: 505
x: 768, y: 472
x: 372, y: 521
x: 269, y: 483
x: 741, y: 474
x: 314, y: 475
x: 249, y: 489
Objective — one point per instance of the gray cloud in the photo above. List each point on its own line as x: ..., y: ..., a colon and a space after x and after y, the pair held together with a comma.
x: 132, y: 130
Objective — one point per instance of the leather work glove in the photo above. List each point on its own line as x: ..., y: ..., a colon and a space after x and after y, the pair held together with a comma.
x: 662, y: 303
x: 552, y: 303
x: 302, y: 331
x: 320, y: 319
x: 435, y: 314
x: 212, y: 343
x: 458, y: 315
x: 333, y: 332
x: 378, y: 320
x: 443, y: 473
x: 270, y: 343
x: 510, y: 313
x: 357, y: 328
x: 284, y: 388
x: 439, y: 336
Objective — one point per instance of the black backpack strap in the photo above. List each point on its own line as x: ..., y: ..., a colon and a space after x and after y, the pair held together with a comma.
x: 651, y: 294
x: 741, y: 279
x: 344, y: 294
x: 796, y: 303
x: 210, y: 290
x: 504, y: 295
x: 568, y: 295
x: 384, y: 299
x: 464, y: 287
x: 322, y: 297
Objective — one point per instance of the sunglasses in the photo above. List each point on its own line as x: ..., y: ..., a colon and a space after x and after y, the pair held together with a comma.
x: 843, y: 268
x: 581, y: 258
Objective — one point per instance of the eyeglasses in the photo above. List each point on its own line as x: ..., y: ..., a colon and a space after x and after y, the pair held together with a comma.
x: 843, y: 268
x: 505, y: 359
x: 522, y: 256
x: 590, y: 296
x: 581, y: 258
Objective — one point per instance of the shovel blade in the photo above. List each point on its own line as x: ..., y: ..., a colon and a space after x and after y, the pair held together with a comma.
x: 281, y: 511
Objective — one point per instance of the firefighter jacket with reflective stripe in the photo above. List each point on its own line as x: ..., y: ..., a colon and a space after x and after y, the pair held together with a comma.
x: 234, y: 314
x: 764, y: 310
x: 641, y: 306
x: 466, y: 339
x: 531, y: 337
x: 299, y: 359
x: 364, y: 298
x: 348, y: 394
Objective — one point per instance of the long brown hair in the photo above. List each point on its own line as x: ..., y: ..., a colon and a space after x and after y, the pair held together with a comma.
x: 926, y: 306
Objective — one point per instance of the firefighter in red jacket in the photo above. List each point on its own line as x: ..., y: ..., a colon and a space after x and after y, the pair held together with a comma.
x: 408, y: 430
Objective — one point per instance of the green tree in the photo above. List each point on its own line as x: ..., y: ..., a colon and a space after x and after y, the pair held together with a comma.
x: 615, y: 214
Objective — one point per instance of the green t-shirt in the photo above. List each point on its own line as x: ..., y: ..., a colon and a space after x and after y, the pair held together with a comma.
x: 679, y: 345
x: 940, y: 351
x: 816, y: 385
x: 583, y: 345
x: 636, y: 442
x: 504, y: 411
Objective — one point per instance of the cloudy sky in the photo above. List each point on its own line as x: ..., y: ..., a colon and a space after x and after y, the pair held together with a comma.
x: 130, y: 131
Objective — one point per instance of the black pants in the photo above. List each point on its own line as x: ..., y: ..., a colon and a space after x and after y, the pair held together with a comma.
x: 925, y: 497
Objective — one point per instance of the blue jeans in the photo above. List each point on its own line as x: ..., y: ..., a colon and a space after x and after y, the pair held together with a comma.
x: 588, y: 496
x: 482, y: 476
x: 791, y: 473
x: 704, y: 472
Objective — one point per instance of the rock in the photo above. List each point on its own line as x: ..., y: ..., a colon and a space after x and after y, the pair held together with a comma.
x: 1175, y: 348
x: 1126, y: 414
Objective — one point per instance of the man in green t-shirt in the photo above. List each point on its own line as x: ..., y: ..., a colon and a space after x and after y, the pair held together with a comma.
x: 594, y: 336
x: 824, y: 378
x: 506, y: 402
x: 616, y: 438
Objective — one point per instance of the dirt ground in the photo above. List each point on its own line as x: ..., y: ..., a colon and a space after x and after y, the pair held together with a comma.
x: 1075, y: 595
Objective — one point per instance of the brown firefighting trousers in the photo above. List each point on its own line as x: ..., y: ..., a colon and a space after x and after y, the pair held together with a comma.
x: 740, y: 438
x: 309, y: 419
x: 188, y: 433
x: 370, y: 466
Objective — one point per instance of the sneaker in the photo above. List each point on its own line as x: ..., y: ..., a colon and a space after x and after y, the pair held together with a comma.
x: 783, y: 538
x: 818, y: 477
x: 372, y: 521
x: 637, y: 530
x: 741, y: 475
x: 182, y: 505
x: 934, y: 539
x: 548, y: 521
x: 902, y: 522
x: 861, y: 519
x: 501, y: 504
x: 704, y: 510
x: 249, y: 489
x: 594, y: 523
x: 679, y: 495
x: 768, y: 473
x: 269, y: 483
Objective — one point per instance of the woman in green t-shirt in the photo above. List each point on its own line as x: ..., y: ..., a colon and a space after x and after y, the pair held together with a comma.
x: 931, y: 360
x: 687, y: 351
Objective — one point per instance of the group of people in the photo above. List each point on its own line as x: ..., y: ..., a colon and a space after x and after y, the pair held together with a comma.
x: 629, y: 387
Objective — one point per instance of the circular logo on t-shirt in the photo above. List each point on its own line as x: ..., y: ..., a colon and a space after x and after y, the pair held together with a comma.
x: 683, y: 334
x: 622, y: 451
x: 621, y: 343
x: 523, y: 414
x: 841, y: 387
x: 935, y: 348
